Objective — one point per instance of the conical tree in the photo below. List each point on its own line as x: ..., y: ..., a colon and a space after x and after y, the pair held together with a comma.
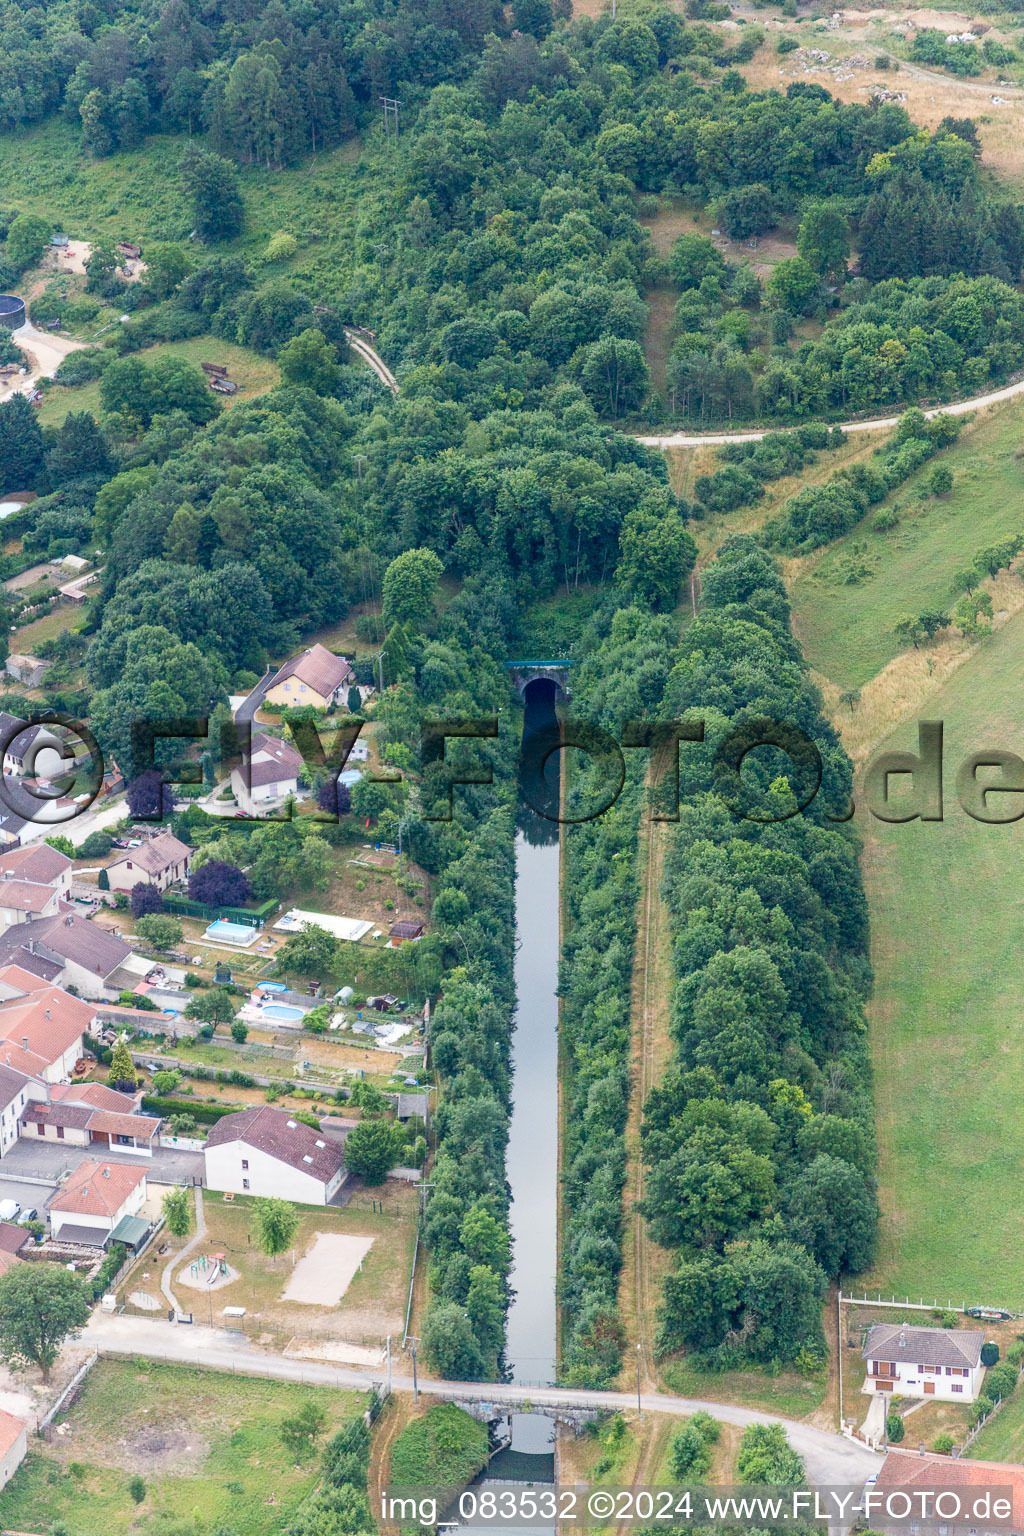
x: 122, y: 1070
x: 21, y: 445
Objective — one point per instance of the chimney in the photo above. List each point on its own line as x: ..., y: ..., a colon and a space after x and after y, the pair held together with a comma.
x: 903, y: 1341
x: 47, y: 1013
x: 106, y: 1173
x: 24, y: 1042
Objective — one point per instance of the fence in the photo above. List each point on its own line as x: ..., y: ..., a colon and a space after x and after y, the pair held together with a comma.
x: 252, y: 917
x: 69, y: 1391
x: 976, y: 1431
x: 918, y: 1306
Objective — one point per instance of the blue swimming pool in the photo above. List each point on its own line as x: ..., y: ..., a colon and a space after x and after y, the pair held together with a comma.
x: 230, y: 933
x: 283, y: 1012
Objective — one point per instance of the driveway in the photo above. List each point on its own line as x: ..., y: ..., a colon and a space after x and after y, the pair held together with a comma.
x: 45, y: 351
x: 247, y: 709
x: 26, y: 1194
x: 49, y: 1159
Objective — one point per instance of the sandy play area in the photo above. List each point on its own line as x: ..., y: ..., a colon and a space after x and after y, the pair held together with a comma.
x: 325, y: 1272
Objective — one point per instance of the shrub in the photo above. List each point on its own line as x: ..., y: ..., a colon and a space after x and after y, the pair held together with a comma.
x: 943, y: 1444
x: 894, y: 1428
x: 145, y: 900
x: 989, y: 1352
x: 137, y: 1488
x: 980, y: 1409
x: 1001, y: 1380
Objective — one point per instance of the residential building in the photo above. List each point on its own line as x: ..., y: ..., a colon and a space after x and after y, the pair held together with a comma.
x: 78, y: 1122
x: 94, y: 1199
x: 263, y: 1151
x: 68, y: 950
x: 316, y: 676
x: 909, y: 1470
x: 268, y: 776
x: 38, y: 865
x: 41, y: 1026
x: 924, y: 1362
x: 13, y: 1240
x: 27, y: 670
x: 160, y: 862
x: 13, y: 1445
x: 16, y: 1089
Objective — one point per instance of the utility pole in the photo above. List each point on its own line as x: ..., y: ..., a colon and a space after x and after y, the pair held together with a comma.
x: 639, y: 1404
x: 391, y: 106
x: 415, y: 1383
x: 380, y: 669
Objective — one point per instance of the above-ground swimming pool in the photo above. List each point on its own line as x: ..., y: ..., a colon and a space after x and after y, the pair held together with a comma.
x: 283, y: 1012
x: 230, y: 933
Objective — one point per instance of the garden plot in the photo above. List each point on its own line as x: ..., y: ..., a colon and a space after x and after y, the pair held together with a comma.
x: 324, y: 1274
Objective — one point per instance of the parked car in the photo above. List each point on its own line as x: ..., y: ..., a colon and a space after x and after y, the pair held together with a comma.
x: 9, y: 1210
x: 28, y: 1214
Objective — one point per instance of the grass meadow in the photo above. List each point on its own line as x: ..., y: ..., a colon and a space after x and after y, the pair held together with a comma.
x: 947, y: 915
x: 203, y: 1443
x: 846, y: 627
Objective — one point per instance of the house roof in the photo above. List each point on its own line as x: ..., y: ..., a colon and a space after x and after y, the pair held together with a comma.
x: 73, y: 1117
x: 38, y: 862
x: 96, y: 1094
x: 904, y: 1469
x: 12, y: 1237
x: 130, y: 1230
x: 274, y: 1132
x: 10, y: 1431
x: 156, y: 856
x: 25, y: 896
x: 85, y: 1237
x: 11, y: 1083
x: 45, y: 1023
x: 271, y: 761
x: 98, y: 1189
x: 405, y: 930
x: 68, y: 936
x: 6, y: 1261
x: 924, y: 1346
x: 318, y: 668
x: 143, y: 1127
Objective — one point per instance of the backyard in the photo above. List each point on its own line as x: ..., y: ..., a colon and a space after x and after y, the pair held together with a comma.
x: 198, y: 1440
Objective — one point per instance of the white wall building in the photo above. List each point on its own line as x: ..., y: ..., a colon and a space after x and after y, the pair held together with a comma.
x: 264, y: 1151
x: 95, y: 1198
x: 924, y: 1362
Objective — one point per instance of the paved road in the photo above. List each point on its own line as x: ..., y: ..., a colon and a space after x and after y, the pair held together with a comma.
x: 878, y: 424
x: 247, y: 709
x: 829, y: 1458
x: 48, y: 1160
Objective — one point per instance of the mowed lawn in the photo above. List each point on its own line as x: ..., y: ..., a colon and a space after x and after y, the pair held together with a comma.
x: 202, y: 1442
x: 846, y: 629
x: 947, y: 1018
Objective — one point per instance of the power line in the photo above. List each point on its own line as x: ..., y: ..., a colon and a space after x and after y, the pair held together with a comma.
x: 391, y: 106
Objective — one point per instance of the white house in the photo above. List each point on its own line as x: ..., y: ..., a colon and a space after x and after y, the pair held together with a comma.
x: 264, y: 1151
x: 924, y: 1362
x: 42, y: 1027
x: 268, y: 777
x: 94, y: 1199
x: 13, y: 1445
x: 68, y: 950
x: 159, y: 862
x: 16, y: 1089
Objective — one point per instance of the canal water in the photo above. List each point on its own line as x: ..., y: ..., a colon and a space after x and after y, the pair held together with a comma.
x: 532, y: 1157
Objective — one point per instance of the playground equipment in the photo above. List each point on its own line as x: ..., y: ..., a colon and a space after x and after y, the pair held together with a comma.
x: 209, y: 1267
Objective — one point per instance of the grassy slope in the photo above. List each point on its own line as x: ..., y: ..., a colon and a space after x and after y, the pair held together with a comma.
x: 221, y: 1432
x: 947, y: 1043
x: 251, y: 372
x: 139, y: 196
x: 846, y: 630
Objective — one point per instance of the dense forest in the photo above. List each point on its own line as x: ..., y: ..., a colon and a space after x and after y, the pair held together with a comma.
x: 498, y: 250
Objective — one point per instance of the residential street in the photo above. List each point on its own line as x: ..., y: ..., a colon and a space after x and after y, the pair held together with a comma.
x: 829, y: 1458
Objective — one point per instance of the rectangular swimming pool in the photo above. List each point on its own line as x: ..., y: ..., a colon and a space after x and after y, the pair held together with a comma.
x: 231, y: 933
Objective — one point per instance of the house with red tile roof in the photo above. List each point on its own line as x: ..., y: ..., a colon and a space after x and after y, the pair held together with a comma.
x: 316, y: 676
x: 907, y: 1471
x: 94, y: 1199
x: 41, y: 1026
x: 267, y: 775
x: 13, y: 1445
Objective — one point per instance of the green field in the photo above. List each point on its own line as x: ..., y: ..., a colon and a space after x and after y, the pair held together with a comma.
x: 1003, y: 1439
x: 202, y: 1442
x: 252, y: 373
x: 947, y: 916
x: 846, y: 629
